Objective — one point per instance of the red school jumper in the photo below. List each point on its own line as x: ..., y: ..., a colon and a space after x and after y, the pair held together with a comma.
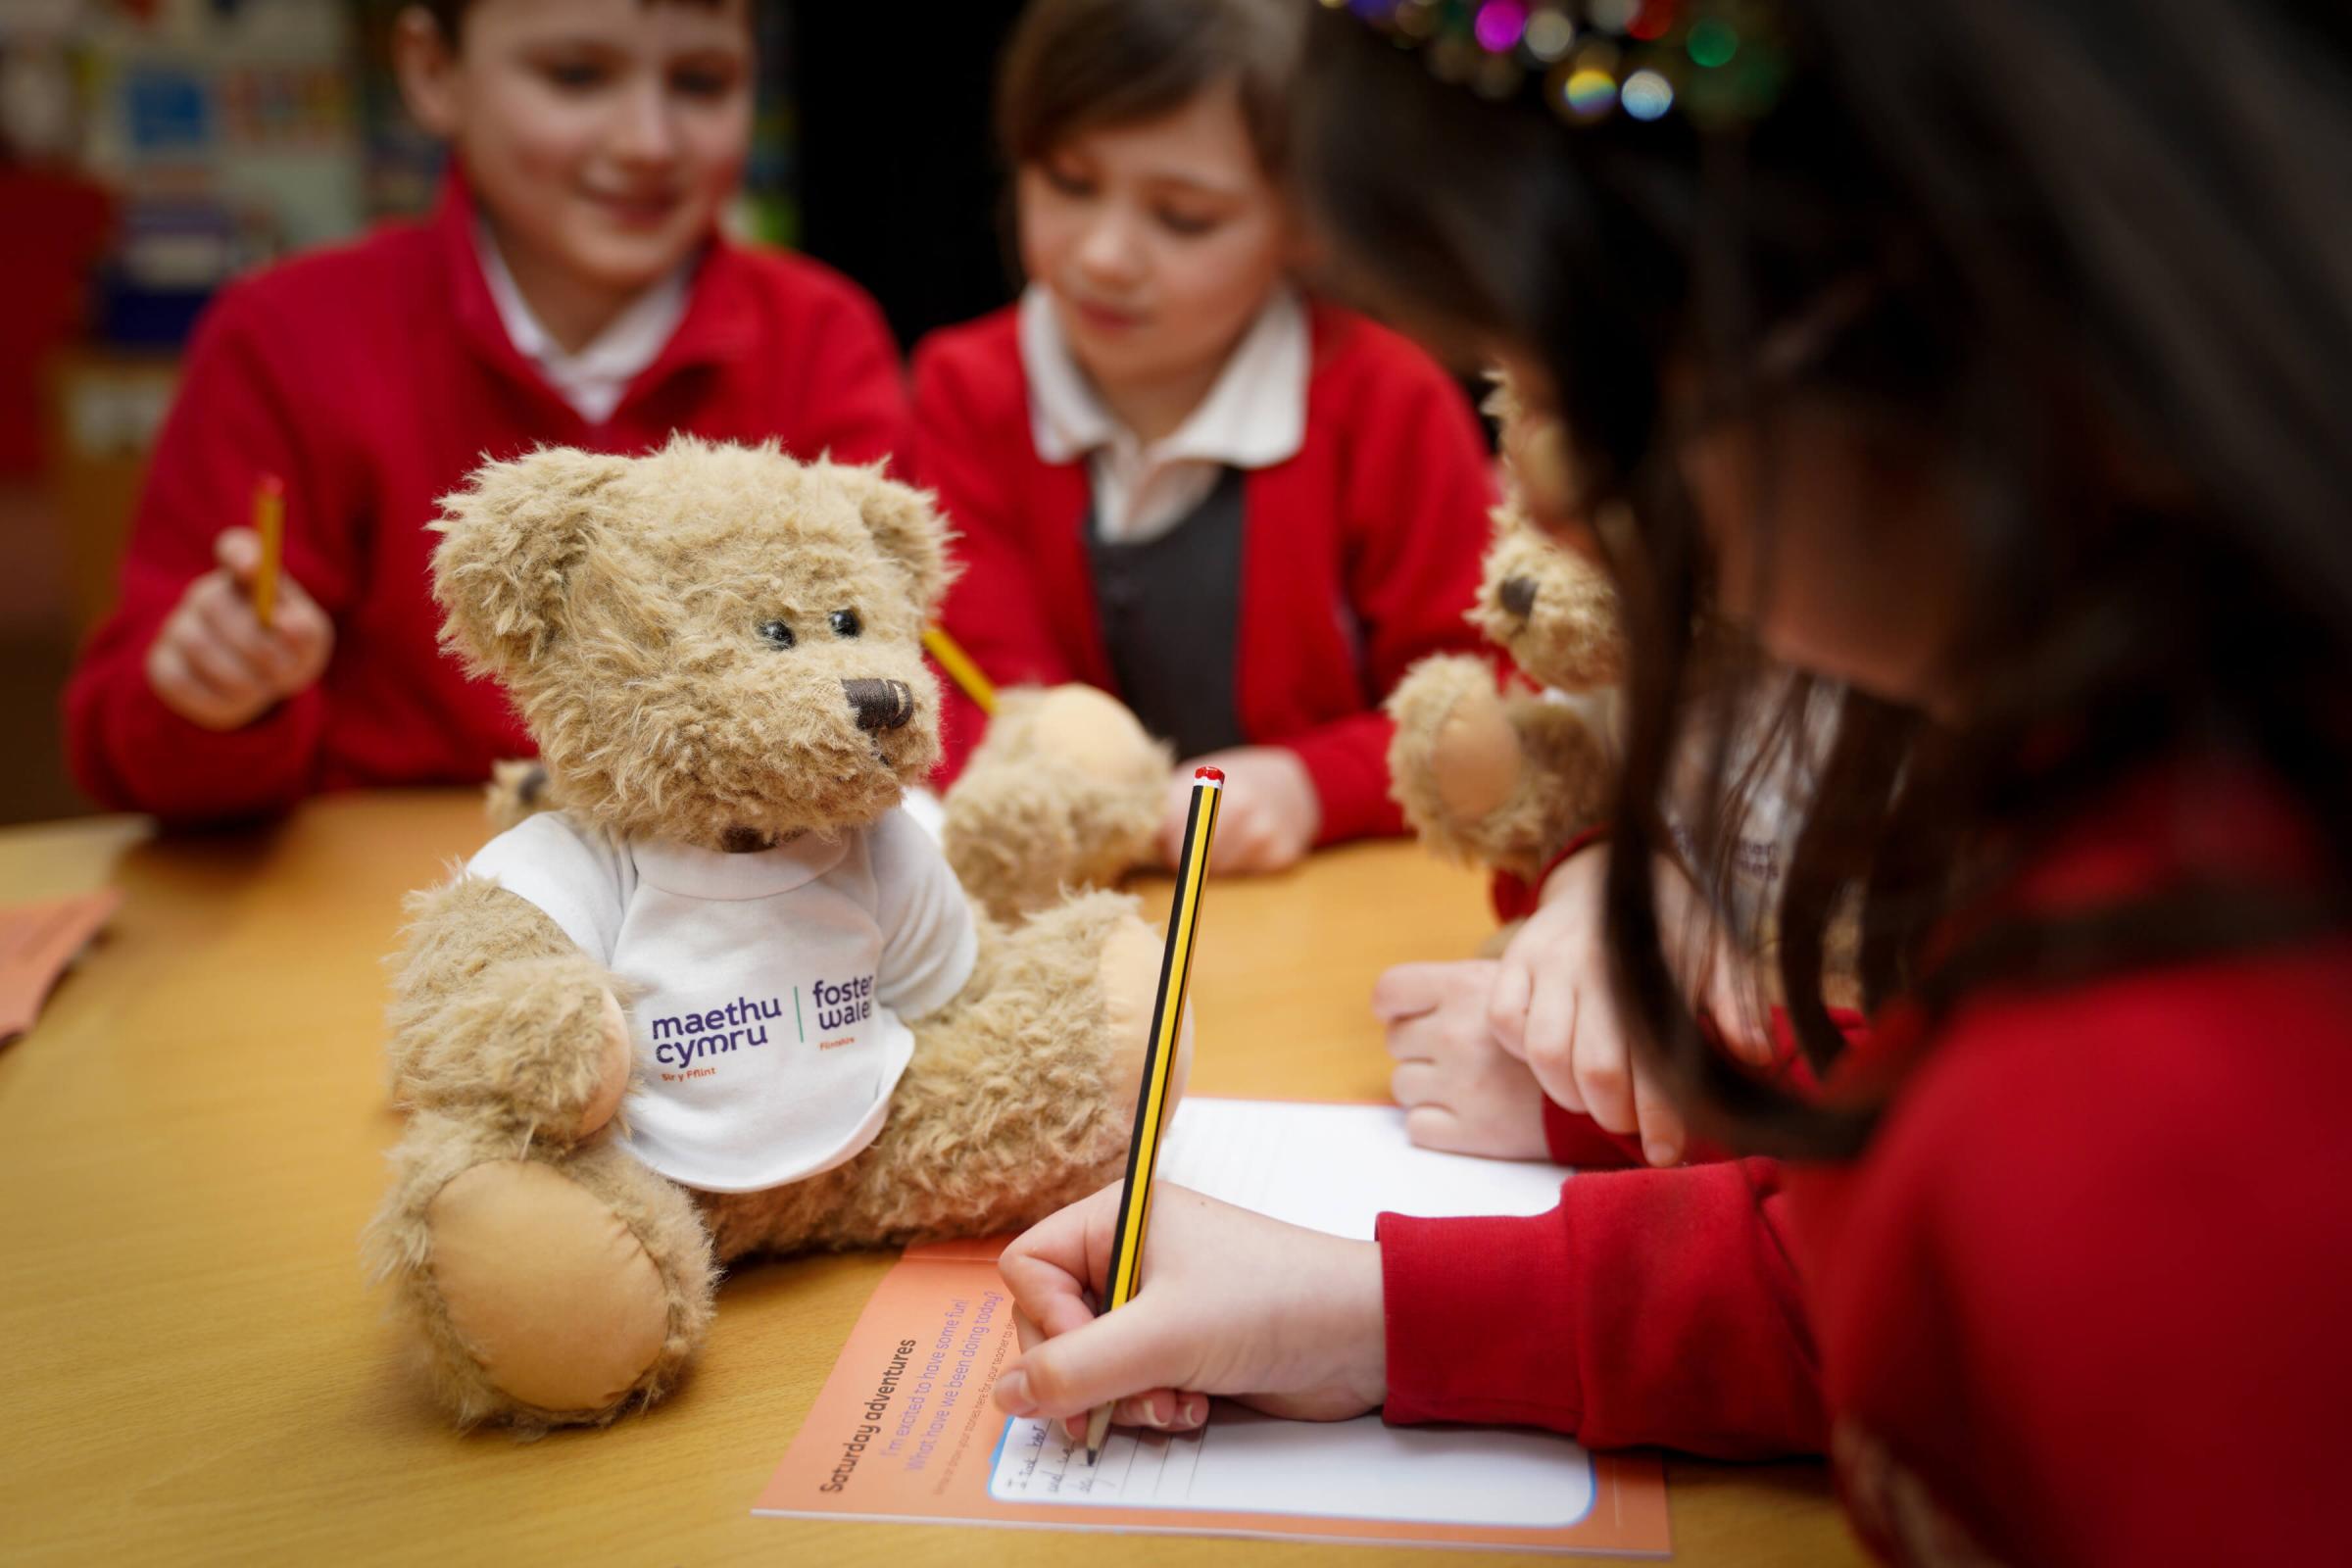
x: 2085, y: 1299
x: 1360, y: 554
x: 373, y: 378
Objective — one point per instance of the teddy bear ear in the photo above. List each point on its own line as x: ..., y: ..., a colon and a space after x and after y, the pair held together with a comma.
x: 512, y: 541
x: 905, y: 524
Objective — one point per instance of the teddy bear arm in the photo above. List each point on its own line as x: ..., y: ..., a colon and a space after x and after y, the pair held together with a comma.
x: 1568, y: 785
x: 498, y: 1014
x: 1456, y: 762
x: 1065, y: 792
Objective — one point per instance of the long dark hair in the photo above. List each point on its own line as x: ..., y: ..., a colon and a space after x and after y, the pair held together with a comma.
x: 2094, y: 259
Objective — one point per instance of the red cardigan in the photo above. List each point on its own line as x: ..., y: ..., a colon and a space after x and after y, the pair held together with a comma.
x: 2083, y: 1298
x: 373, y: 378
x: 1360, y: 553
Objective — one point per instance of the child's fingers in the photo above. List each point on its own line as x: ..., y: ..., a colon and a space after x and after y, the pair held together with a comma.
x: 1057, y: 1265
x: 238, y: 550
x: 1663, y: 1137
x: 1408, y: 990
x: 180, y: 685
x: 1733, y: 1006
x: 1416, y: 1083
x: 1603, y: 1079
x: 1163, y: 1411
x: 1506, y: 1005
x: 1116, y: 1357
x: 1437, y: 1127
x: 1556, y: 1016
x: 220, y: 664
x: 224, y: 618
x: 301, y: 629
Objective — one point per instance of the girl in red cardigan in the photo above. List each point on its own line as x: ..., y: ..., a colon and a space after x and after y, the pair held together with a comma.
x: 572, y: 290
x: 1240, y: 510
x: 1986, y: 360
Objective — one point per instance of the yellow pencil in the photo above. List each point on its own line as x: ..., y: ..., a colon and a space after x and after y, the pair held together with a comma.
x: 1159, y: 1059
x: 270, y: 522
x: 960, y: 669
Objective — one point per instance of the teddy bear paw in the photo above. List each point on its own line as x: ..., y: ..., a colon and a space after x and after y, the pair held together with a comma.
x: 1092, y: 732
x: 1475, y: 760
x: 550, y: 1293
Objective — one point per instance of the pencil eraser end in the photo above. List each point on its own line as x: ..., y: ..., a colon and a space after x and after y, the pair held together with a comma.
x: 1215, y: 776
x: 270, y: 484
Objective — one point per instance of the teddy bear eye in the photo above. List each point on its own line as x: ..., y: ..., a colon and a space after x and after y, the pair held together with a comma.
x: 776, y: 631
x: 846, y: 624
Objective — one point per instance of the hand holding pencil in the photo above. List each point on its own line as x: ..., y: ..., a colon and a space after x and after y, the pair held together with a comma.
x: 244, y: 636
x: 1282, y: 1319
x: 1111, y: 1250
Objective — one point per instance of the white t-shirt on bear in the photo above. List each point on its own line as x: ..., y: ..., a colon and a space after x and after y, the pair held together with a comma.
x: 769, y: 988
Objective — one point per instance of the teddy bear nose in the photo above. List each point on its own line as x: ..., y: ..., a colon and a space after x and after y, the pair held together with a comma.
x: 881, y: 704
x: 1517, y: 595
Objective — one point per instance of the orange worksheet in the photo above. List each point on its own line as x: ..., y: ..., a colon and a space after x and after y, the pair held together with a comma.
x: 905, y: 1429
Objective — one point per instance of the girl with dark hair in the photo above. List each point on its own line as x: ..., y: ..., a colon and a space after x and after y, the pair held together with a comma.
x: 1240, y: 510
x: 1986, y: 360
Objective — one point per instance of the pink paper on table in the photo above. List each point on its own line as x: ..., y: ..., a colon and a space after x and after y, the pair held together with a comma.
x: 38, y: 941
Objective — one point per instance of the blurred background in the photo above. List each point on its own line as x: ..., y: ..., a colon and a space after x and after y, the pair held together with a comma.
x: 150, y: 150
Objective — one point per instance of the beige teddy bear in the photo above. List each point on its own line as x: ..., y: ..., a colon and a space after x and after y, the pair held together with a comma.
x: 1066, y: 791
x: 726, y: 997
x: 1507, y: 778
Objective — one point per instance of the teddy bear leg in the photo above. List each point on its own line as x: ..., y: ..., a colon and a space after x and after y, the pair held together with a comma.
x: 1065, y: 792
x: 546, y: 1292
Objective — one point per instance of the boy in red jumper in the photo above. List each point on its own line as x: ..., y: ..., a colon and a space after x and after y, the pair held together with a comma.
x: 2048, y: 473
x: 1241, y: 512
x: 573, y: 289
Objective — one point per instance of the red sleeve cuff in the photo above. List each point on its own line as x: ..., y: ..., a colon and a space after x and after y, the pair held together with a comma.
x: 1576, y: 1139
x: 153, y: 759
x: 1348, y: 763
x: 1479, y: 1320
x: 1515, y: 898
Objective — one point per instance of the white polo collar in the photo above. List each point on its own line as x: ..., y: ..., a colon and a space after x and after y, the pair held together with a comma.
x: 1254, y: 416
x: 594, y: 379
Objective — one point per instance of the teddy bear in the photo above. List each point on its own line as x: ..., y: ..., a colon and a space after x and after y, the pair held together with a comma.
x: 713, y: 992
x: 1507, y: 776
x: 1065, y: 790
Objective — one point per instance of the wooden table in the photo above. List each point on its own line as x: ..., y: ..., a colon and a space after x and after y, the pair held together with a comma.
x: 191, y: 1139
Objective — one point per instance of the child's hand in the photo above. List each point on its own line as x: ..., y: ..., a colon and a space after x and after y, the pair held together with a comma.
x: 1269, y: 817
x: 213, y: 664
x: 1460, y: 1090
x: 1552, y: 1006
x: 1284, y: 1319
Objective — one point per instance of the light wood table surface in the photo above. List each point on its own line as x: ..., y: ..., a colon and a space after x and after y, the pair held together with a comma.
x: 191, y: 1139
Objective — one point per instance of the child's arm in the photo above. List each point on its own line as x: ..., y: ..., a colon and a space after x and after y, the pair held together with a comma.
x: 1416, y: 493
x: 138, y: 734
x: 1650, y: 1307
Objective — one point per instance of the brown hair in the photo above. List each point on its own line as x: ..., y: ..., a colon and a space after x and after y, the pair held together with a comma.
x: 1074, y: 65
x: 450, y: 15
x: 2062, y: 262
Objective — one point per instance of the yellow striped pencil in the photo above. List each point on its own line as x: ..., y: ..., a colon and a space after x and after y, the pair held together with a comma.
x: 270, y: 522
x: 960, y: 669
x: 1159, y: 1059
